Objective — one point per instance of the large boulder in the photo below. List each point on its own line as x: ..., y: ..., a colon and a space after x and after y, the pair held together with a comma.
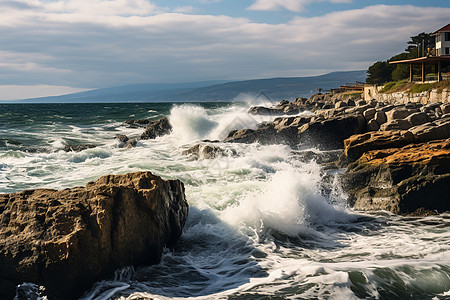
x: 439, y: 129
x: 356, y: 145
x: 205, y: 151
x: 66, y: 240
x: 157, y: 128
x: 401, y: 180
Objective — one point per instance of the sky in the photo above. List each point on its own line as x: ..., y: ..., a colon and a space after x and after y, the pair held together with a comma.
x: 51, y: 47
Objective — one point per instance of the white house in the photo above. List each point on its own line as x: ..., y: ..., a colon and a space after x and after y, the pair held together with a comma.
x: 443, y: 40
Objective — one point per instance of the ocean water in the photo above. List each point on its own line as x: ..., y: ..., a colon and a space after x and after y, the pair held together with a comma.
x: 268, y: 223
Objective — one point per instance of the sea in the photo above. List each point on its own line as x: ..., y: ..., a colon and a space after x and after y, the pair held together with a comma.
x: 268, y: 222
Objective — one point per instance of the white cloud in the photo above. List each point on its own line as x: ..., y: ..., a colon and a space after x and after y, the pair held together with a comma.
x: 292, y: 5
x: 70, y: 47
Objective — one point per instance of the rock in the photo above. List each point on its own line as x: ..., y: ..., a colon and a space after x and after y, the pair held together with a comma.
x: 397, y: 124
x: 350, y: 102
x: 340, y: 104
x: 356, y: 145
x: 445, y: 108
x: 261, y: 110
x: 401, y: 180
x: 418, y: 118
x: 373, y: 125
x: 78, y: 148
x: 157, y: 128
x: 439, y: 129
x: 369, y: 113
x: 137, y: 123
x: 430, y: 107
x: 66, y: 240
x: 387, y: 108
x: 125, y: 142
x: 399, y: 113
x: 380, y: 117
x: 330, y: 133
x: 358, y: 109
x: 201, y: 151
x: 361, y: 103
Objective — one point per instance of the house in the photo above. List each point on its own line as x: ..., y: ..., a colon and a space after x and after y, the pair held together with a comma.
x: 442, y: 40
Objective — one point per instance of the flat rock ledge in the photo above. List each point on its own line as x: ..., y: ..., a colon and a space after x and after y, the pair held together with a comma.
x: 66, y: 240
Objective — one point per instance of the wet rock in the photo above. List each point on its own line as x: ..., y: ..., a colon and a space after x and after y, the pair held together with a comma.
x: 125, y: 142
x: 66, y: 240
x: 137, y: 123
x: 78, y: 148
x: 157, y: 128
x: 356, y: 145
x: 202, y: 151
x: 401, y: 180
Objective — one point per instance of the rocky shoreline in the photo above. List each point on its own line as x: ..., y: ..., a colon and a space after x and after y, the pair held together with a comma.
x: 396, y: 156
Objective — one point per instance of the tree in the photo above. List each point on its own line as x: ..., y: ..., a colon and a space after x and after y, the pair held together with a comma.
x: 419, y: 45
x: 380, y: 72
x: 400, y: 71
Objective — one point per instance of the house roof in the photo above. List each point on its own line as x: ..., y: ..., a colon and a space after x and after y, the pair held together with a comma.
x: 445, y: 28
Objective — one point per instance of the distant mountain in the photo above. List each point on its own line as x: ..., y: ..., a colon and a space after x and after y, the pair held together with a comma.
x: 272, y: 88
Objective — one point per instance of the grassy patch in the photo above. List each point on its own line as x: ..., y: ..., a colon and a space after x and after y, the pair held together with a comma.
x: 419, y: 88
x: 395, y: 86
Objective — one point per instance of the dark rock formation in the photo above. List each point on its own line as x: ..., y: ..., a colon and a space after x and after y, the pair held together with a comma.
x: 157, y: 128
x: 66, y: 240
x: 78, y: 148
x: 137, y: 123
x: 401, y: 180
x: 126, y: 142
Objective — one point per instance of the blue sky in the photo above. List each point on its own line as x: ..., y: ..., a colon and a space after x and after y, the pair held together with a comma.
x: 61, y: 46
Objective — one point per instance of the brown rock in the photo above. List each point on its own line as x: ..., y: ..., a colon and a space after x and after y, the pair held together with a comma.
x: 356, y: 145
x: 439, y: 129
x: 380, y: 117
x: 418, y: 118
x: 369, y: 113
x: 373, y: 125
x: 401, y: 180
x: 399, y: 113
x: 66, y: 240
x: 201, y: 151
x: 397, y: 124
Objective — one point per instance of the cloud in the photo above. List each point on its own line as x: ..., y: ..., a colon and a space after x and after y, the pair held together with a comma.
x: 292, y: 5
x: 70, y: 46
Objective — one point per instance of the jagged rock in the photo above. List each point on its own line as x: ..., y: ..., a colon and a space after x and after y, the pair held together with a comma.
x: 331, y: 133
x: 137, y: 123
x: 340, y: 104
x: 401, y: 180
x: 418, y: 118
x: 396, y: 124
x: 261, y: 110
x: 66, y: 240
x: 439, y: 129
x: 201, y: 151
x: 430, y: 107
x: 157, y: 128
x: 361, y: 103
x: 356, y: 145
x: 78, y: 148
x: 125, y: 142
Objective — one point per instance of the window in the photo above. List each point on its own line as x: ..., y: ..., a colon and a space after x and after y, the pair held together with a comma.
x: 447, y: 36
x: 438, y: 38
x: 447, y: 50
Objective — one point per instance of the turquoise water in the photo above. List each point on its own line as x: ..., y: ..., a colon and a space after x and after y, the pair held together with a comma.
x: 264, y: 224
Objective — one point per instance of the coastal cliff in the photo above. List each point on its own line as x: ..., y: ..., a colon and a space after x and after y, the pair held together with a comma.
x: 66, y: 240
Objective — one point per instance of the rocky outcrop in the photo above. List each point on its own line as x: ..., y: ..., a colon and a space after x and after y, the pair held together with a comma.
x: 66, y: 240
x: 157, y: 128
x: 203, y: 151
x: 137, y: 123
x: 78, y: 148
x: 401, y: 180
x: 125, y: 141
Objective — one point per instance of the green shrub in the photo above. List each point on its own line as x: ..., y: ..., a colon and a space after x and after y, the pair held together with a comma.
x: 419, y: 88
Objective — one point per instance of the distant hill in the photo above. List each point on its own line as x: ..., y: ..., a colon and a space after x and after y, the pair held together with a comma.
x: 272, y: 88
